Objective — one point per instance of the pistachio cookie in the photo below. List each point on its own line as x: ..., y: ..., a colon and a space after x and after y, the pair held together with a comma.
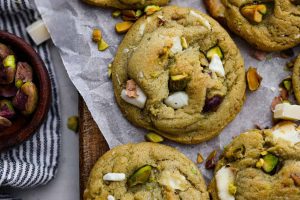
x: 179, y: 73
x: 268, y: 25
x: 126, y: 4
x: 260, y: 164
x: 296, y: 79
x: 141, y: 171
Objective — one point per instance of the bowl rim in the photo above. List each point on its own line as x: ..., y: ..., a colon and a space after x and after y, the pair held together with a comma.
x: 44, y: 91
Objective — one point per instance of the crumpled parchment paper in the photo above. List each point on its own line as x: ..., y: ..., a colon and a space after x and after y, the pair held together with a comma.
x: 70, y: 23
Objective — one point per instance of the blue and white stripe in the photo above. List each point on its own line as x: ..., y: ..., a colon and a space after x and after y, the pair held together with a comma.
x: 34, y: 162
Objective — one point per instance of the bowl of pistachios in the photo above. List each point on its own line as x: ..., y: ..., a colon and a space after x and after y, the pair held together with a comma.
x: 25, y: 90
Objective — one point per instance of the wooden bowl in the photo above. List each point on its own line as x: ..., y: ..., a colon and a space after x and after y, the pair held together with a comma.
x: 24, y: 127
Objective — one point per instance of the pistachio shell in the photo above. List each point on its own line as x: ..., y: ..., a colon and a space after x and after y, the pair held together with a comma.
x: 4, y: 122
x: 7, y: 75
x: 140, y: 176
x: 23, y: 74
x: 253, y: 79
x: 4, y: 51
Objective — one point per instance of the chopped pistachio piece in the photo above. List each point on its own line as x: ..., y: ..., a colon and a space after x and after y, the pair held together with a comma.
x: 253, y: 79
x: 138, y: 13
x: 214, y: 50
x: 296, y: 179
x: 263, y: 153
x: 123, y: 27
x: 73, y: 123
x: 151, y: 9
x: 97, y: 35
x: 184, y: 43
x: 109, y: 72
x: 153, y: 137
x: 10, y: 61
x: 287, y: 83
x: 140, y: 176
x: 270, y: 163
x: 116, y: 13
x: 232, y: 189
x: 179, y: 77
x: 199, y: 158
x: 254, y: 12
x: 260, y: 163
x: 102, y: 45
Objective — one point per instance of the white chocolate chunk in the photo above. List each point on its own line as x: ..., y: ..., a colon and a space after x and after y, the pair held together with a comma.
x: 114, y: 177
x: 202, y: 19
x: 177, y: 100
x: 38, y: 32
x: 142, y: 29
x: 287, y: 131
x: 177, y: 47
x: 224, y: 177
x: 216, y: 65
x: 110, y: 197
x: 173, y: 180
x: 287, y: 111
x: 139, y: 101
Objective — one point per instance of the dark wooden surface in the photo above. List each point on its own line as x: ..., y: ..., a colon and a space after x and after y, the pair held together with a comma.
x: 92, y: 144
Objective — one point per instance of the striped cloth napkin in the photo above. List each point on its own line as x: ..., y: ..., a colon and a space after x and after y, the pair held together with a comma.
x: 34, y: 162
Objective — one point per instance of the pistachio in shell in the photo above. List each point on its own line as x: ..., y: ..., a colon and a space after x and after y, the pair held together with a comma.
x: 8, y: 91
x: 7, y: 75
x: 23, y: 74
x: 4, y: 51
x: 4, y: 122
x: 26, y: 98
x: 6, y: 109
x: 140, y: 176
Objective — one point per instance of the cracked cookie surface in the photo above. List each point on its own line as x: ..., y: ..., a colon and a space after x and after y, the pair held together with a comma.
x: 268, y: 25
x: 264, y: 164
x: 188, y: 68
x: 296, y: 79
x: 126, y: 4
x: 173, y: 176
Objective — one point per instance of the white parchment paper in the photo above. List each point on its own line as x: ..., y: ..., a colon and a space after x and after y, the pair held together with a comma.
x: 70, y: 24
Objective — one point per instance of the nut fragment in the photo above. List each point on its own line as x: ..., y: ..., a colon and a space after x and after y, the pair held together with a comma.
x: 296, y: 2
x: 97, y: 35
x: 116, y: 13
x: 211, y: 160
x: 199, y: 158
x: 140, y: 176
x: 23, y: 74
x: 232, y: 189
x: 253, y: 79
x: 26, y: 98
x: 296, y: 179
x: 214, y: 50
x: 287, y: 84
x: 151, y: 9
x: 4, y: 122
x: 184, y: 43
x: 6, y: 109
x: 102, y: 45
x: 270, y: 163
x: 153, y: 137
x: 73, y: 123
x: 254, y: 12
x: 123, y: 27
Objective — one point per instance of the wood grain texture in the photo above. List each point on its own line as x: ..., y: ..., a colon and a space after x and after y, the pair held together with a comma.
x: 92, y: 144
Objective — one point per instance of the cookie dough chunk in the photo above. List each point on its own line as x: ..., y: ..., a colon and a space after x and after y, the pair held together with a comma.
x: 126, y: 4
x: 149, y: 174
x: 260, y: 164
x: 296, y: 79
x: 269, y: 25
x: 179, y: 73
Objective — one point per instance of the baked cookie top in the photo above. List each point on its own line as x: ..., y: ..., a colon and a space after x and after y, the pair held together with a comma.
x: 260, y: 164
x: 269, y: 25
x: 179, y: 73
x: 296, y: 79
x: 126, y: 4
x: 145, y: 171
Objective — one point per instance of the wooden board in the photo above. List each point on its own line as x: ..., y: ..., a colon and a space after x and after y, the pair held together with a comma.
x: 92, y: 144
